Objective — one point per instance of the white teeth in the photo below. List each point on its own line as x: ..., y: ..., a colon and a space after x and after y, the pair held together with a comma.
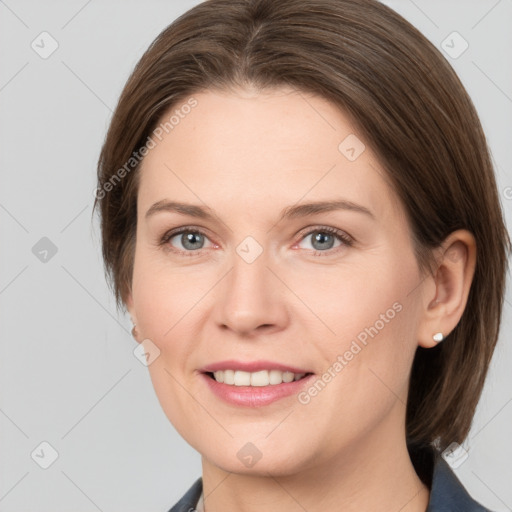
x: 229, y: 376
x: 242, y: 378
x: 257, y: 379
x: 288, y: 376
x: 275, y: 377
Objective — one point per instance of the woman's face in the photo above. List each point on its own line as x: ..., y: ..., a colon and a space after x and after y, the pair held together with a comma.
x: 333, y: 291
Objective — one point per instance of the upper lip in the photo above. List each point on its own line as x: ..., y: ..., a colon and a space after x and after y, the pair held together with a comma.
x: 251, y: 366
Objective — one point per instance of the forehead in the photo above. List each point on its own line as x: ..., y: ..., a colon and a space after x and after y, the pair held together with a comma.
x: 268, y: 148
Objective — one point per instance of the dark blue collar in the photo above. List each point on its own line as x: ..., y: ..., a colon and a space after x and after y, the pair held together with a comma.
x: 447, y: 494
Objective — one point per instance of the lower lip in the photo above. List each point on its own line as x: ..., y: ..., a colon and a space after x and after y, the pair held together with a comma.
x: 254, y: 396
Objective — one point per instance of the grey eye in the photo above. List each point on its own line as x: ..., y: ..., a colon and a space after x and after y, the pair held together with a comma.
x: 190, y: 240
x: 322, y: 240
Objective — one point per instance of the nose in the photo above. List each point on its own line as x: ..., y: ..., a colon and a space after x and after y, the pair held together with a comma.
x: 251, y: 300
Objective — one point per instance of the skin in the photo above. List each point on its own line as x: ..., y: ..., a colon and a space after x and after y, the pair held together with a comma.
x: 248, y: 154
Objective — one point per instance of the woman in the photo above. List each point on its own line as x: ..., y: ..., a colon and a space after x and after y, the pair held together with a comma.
x: 250, y: 134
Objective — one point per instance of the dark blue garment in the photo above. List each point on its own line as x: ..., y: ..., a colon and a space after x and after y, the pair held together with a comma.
x: 447, y: 494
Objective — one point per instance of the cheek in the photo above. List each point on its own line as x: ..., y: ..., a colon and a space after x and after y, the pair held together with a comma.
x: 372, y: 315
x: 167, y: 305
x: 162, y: 297
x: 366, y: 364
x: 361, y: 301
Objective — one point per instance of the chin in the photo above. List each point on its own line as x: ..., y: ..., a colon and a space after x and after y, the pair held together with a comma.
x: 255, y: 459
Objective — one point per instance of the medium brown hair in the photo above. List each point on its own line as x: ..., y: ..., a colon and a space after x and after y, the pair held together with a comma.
x: 407, y: 103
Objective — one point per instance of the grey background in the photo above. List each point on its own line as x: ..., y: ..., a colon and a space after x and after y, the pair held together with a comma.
x: 68, y: 375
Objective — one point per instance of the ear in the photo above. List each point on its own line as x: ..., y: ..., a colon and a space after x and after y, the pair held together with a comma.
x: 131, y: 310
x: 129, y: 306
x: 448, y: 288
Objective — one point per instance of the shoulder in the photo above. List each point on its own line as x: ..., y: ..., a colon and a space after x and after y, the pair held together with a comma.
x: 189, y: 500
x: 447, y: 493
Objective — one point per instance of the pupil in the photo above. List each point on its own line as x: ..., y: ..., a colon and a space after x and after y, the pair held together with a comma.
x: 189, y: 239
x: 321, y: 237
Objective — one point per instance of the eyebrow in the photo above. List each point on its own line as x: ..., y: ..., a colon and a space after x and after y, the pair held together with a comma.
x: 290, y: 212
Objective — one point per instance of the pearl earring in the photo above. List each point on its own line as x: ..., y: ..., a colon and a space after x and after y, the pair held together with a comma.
x: 438, y: 336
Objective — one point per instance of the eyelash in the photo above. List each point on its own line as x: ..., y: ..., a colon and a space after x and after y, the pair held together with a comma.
x: 346, y: 240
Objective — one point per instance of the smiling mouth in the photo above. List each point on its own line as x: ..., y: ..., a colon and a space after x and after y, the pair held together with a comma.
x: 255, y: 379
